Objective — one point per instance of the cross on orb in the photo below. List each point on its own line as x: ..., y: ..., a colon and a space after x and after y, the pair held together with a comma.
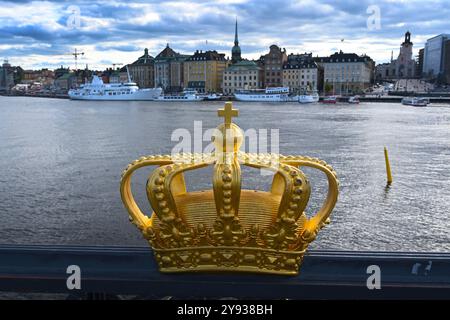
x: 228, y: 112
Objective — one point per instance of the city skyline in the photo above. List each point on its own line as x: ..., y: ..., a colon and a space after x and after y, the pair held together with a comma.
x: 43, y: 34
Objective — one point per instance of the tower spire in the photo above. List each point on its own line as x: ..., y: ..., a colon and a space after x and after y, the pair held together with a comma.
x: 236, y: 41
x: 236, y: 51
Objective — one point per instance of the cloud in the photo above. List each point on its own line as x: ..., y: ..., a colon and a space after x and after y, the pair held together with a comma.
x: 112, y: 30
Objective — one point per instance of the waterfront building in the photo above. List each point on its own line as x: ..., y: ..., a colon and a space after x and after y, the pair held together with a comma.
x: 169, y: 73
x: 60, y: 71
x: 45, y: 77
x: 119, y: 76
x: 419, y: 69
x: 347, y: 73
x: 436, y: 60
x: 66, y: 82
x: 9, y: 76
x: 142, y: 71
x: 236, y: 50
x: 244, y: 74
x: 203, y: 71
x: 273, y: 66
x: 404, y: 67
x: 301, y: 73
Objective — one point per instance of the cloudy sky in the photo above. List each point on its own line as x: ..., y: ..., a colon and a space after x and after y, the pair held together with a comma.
x: 37, y: 34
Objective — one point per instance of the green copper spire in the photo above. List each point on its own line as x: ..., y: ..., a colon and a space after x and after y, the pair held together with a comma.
x: 236, y: 50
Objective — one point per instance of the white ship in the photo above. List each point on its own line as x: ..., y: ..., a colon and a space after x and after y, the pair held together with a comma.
x: 186, y: 95
x: 415, y: 101
x: 275, y: 94
x: 308, y: 98
x: 97, y: 90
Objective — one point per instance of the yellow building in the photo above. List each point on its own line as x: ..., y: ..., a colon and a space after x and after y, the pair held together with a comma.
x: 203, y: 71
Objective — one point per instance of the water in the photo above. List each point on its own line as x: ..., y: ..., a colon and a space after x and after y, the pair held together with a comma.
x: 60, y: 166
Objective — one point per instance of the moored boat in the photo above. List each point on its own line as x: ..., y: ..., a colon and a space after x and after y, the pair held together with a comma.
x: 186, y: 95
x: 212, y: 96
x: 97, y: 90
x: 308, y: 98
x: 330, y: 99
x: 353, y: 100
x: 275, y: 94
x: 415, y: 101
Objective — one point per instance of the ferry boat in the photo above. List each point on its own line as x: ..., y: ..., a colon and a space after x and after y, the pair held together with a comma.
x: 212, y: 96
x: 308, y: 98
x: 330, y: 100
x: 275, y: 94
x: 186, y: 95
x: 415, y: 101
x: 97, y: 90
x: 353, y: 100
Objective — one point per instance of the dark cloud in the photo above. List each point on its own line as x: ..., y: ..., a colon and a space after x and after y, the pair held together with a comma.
x: 289, y: 23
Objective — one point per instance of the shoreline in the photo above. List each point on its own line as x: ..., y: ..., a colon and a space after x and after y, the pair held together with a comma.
x: 342, y: 99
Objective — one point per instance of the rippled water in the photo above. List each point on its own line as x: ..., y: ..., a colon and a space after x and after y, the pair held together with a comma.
x: 60, y: 166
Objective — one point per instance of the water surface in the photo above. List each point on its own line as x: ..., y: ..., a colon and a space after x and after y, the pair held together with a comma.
x: 61, y: 160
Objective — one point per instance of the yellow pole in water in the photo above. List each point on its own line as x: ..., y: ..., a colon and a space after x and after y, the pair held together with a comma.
x: 388, y: 167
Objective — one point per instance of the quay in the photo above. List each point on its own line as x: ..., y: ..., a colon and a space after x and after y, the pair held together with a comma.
x: 343, y: 99
x: 133, y: 271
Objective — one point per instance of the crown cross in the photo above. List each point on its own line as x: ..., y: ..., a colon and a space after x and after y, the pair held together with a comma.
x: 228, y: 113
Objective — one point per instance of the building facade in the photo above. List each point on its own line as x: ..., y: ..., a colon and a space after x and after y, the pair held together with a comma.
x: 142, y: 71
x: 203, y: 71
x: 404, y: 67
x: 66, y: 82
x: 169, y: 73
x: 119, y: 76
x: 242, y: 75
x: 301, y: 73
x: 347, y: 73
x: 436, y: 57
x: 9, y: 76
x: 273, y: 66
x: 419, y: 69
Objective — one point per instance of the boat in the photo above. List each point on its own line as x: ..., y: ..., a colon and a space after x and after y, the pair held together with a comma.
x: 273, y: 94
x: 353, y: 100
x: 186, y: 95
x: 415, y: 101
x: 330, y: 100
x: 97, y: 90
x: 308, y: 98
x: 212, y: 96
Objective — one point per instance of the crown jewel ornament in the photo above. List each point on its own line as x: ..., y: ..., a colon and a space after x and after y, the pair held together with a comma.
x: 226, y: 228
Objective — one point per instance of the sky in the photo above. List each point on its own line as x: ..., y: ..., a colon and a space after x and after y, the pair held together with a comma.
x: 42, y: 34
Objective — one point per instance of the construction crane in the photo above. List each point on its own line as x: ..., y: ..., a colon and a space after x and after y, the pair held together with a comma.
x: 75, y: 54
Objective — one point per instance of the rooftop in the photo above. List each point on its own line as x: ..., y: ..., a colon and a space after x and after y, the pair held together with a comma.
x: 207, y: 56
x: 345, y: 57
x: 146, y: 59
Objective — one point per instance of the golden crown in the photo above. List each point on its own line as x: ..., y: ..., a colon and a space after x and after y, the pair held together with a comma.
x: 227, y: 229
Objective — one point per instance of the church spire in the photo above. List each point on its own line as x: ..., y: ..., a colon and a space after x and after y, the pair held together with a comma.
x: 236, y: 41
x: 236, y: 50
